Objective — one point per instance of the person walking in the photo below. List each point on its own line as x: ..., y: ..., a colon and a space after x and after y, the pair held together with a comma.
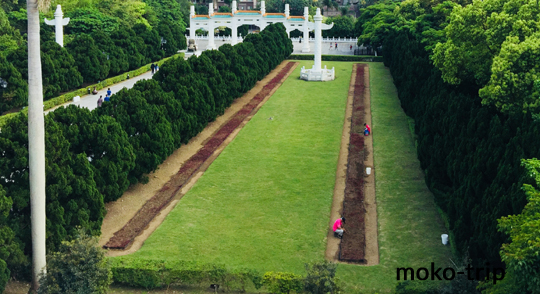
x: 152, y: 67
x: 107, y: 98
x: 351, y: 47
x: 367, y: 130
x: 100, y: 101
x: 157, y: 68
x: 336, y: 45
x: 338, y: 227
x: 109, y: 92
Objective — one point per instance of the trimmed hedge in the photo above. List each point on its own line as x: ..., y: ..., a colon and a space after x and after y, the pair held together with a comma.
x: 152, y: 274
x: 337, y: 57
x: 83, y: 91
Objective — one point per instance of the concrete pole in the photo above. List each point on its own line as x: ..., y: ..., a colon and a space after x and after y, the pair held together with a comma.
x: 59, y: 23
x: 211, y: 44
x: 305, y: 46
x: 36, y: 145
x: 191, y: 22
x: 318, y: 40
x: 234, y: 37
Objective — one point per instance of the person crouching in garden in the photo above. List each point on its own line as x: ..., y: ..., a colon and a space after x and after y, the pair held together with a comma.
x: 367, y: 130
x: 338, y: 227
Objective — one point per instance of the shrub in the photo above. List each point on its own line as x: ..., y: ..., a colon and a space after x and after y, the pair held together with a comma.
x: 79, y: 266
x: 152, y: 274
x: 320, y: 278
x: 283, y: 283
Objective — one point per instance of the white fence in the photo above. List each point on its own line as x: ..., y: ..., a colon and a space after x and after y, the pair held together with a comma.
x: 330, y: 40
x: 216, y: 38
x: 325, y: 40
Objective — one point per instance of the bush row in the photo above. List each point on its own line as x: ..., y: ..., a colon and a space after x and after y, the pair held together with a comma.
x: 83, y: 91
x: 152, y: 274
x: 93, y: 156
x: 338, y: 58
x: 470, y: 153
x: 88, y: 58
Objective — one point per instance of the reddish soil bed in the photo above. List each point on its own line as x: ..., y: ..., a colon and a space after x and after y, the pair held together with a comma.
x: 353, y: 244
x: 154, y: 205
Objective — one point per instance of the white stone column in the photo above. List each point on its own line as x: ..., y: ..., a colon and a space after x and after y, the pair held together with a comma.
x: 305, y: 46
x: 233, y: 9
x: 318, y: 40
x: 192, y: 27
x: 211, y: 43
x: 234, y: 38
x: 287, y: 12
x: 263, y: 8
x: 59, y: 22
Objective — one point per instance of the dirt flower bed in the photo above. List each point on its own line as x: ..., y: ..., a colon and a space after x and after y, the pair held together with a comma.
x: 154, y: 205
x: 353, y: 244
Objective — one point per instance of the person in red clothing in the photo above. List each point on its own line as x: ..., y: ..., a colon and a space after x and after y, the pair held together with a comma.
x: 338, y: 227
x: 367, y: 130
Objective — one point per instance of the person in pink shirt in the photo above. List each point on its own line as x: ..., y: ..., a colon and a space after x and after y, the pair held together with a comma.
x: 368, y: 129
x: 338, y: 227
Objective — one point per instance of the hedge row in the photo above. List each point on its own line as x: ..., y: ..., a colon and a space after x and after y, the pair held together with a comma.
x: 83, y: 91
x: 93, y: 156
x: 153, y: 274
x: 338, y: 58
x: 471, y: 154
x: 87, y: 58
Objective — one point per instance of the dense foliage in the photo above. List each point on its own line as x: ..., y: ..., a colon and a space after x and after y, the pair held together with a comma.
x: 93, y: 156
x: 102, y: 39
x: 79, y: 266
x: 466, y: 74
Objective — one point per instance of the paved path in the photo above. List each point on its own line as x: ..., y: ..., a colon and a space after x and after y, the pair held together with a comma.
x: 90, y: 101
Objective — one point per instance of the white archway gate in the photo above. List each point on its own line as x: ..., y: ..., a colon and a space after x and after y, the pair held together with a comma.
x: 260, y: 18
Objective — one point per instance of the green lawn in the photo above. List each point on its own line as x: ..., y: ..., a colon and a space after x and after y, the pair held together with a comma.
x: 265, y: 201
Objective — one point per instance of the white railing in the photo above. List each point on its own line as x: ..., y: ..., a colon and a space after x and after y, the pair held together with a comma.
x: 330, y: 40
x: 324, y: 40
x: 216, y: 38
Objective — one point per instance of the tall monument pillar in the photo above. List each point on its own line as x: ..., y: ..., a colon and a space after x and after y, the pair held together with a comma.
x: 316, y: 73
x: 263, y: 8
x: 318, y: 39
x: 211, y: 44
x: 191, y: 23
x: 59, y: 22
x: 305, y: 46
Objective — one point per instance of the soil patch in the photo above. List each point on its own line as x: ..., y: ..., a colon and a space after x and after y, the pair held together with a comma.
x: 353, y: 244
x: 354, y: 192
x: 125, y: 236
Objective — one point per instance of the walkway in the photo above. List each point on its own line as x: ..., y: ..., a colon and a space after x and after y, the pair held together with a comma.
x: 90, y: 101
